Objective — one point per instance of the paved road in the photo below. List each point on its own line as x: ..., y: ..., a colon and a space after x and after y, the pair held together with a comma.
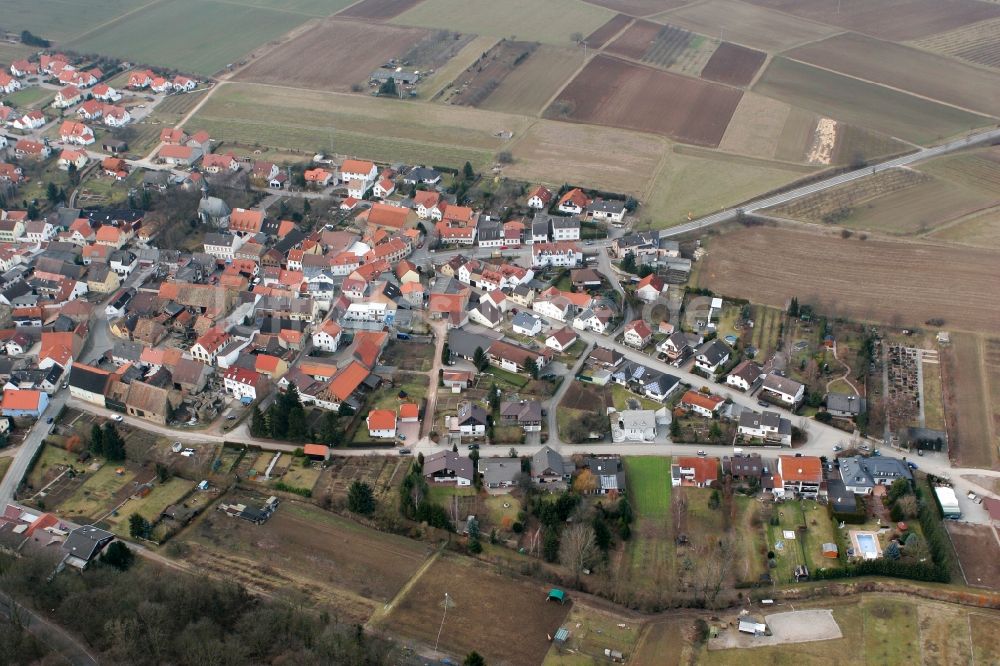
x: 819, y: 186
x: 19, y: 465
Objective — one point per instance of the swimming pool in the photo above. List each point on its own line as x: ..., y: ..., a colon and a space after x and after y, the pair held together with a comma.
x: 867, y: 545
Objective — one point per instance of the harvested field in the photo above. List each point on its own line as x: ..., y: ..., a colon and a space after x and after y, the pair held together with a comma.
x: 345, y: 54
x: 979, y: 170
x: 797, y: 134
x: 693, y: 182
x: 678, y: 50
x: 978, y: 230
x: 61, y: 21
x: 978, y: 43
x: 477, y: 598
x: 907, y: 283
x: 757, y: 127
x: 639, y: 7
x: 667, y: 642
x: 864, y: 104
x: 602, y: 35
x: 905, y: 68
x: 590, y: 156
x: 635, y: 42
x: 856, y: 144
x: 354, y: 125
x: 549, y: 22
x: 979, y: 553
x: 889, y: 19
x: 619, y: 94
x: 531, y: 84
x: 164, y: 34
x: 733, y: 64
x: 483, y: 76
x: 895, y: 202
x: 747, y: 24
x: 304, y: 550
x: 984, y: 629
x: 379, y: 10
x: 967, y: 399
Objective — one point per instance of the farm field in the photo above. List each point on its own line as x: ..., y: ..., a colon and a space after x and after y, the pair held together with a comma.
x: 666, y: 642
x: 859, y: 144
x: 745, y: 23
x: 378, y: 10
x: 888, y: 19
x: 978, y: 230
x: 306, y: 552
x: 620, y: 94
x: 603, y: 35
x: 689, y: 182
x: 639, y: 7
x: 905, y: 68
x: 483, y: 76
x: 354, y: 124
x: 551, y: 22
x: 637, y: 39
x: 864, y: 104
x: 477, y: 598
x: 343, y: 53
x: 318, y: 8
x: 529, y: 86
x: 907, y: 283
x: 222, y: 34
x: 665, y: 46
x: 12, y: 51
x: 899, y: 202
x: 602, y: 157
x: 984, y: 629
x: 437, y: 83
x: 968, y: 411
x: 61, y: 21
x: 979, y: 169
x: 733, y: 64
x: 979, y: 553
x: 978, y: 43
x: 757, y: 128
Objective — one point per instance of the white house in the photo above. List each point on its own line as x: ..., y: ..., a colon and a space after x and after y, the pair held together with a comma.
x: 565, y: 254
x: 637, y: 334
x: 650, y: 288
x: 327, y: 336
x: 116, y: 116
x: 540, y: 198
x: 381, y: 423
x: 768, y: 426
x: 39, y: 231
x: 244, y: 384
x: 562, y: 339
x: 222, y: 246
x: 633, y: 425
x: 8, y: 83
x: 565, y: 228
x: 787, y: 391
x: 711, y: 356
x: 745, y: 375
x: 29, y: 121
x: 363, y: 170
x: 588, y: 320
x: 607, y: 210
x: 525, y: 323
x: 383, y: 188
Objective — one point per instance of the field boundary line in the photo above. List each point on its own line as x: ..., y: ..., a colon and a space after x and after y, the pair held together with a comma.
x: 116, y: 19
x: 955, y: 221
x: 274, y: 9
x: 378, y: 615
x: 555, y: 96
x: 984, y: 390
x: 894, y: 89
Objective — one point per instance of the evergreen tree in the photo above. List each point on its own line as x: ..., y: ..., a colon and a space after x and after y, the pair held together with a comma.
x: 468, y: 171
x: 298, y: 429
x: 258, y: 423
x: 474, y: 659
x: 602, y: 535
x: 138, y: 527
x: 793, y: 307
x: 52, y: 192
x: 533, y: 369
x: 628, y: 262
x: 445, y: 354
x: 550, y: 545
x: 118, y: 555
x: 114, y: 445
x: 330, y: 433
x: 360, y: 498
x: 480, y: 359
x: 675, y: 428
x: 96, y: 441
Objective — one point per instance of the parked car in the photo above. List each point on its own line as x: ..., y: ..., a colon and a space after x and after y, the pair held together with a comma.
x: 912, y: 465
x: 404, y: 452
x: 50, y: 419
x: 837, y: 447
x: 763, y: 403
x: 473, y: 447
x: 118, y: 417
x: 701, y: 453
x: 402, y: 437
x: 230, y: 418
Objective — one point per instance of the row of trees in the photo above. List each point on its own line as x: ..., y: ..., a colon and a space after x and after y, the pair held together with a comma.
x: 106, y: 442
x: 414, y: 502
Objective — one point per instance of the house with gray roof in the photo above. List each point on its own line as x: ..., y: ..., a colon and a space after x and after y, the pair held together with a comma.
x: 524, y: 413
x: 548, y: 466
x: 845, y: 405
x: 448, y: 467
x: 525, y: 323
x: 768, y: 427
x: 463, y: 344
x: 712, y: 355
x: 499, y: 472
x: 609, y: 473
x: 633, y: 425
x: 784, y: 390
x: 860, y: 475
x: 84, y: 543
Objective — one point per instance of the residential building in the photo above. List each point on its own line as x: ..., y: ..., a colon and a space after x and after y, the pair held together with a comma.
x: 548, y: 466
x: 564, y: 254
x: 633, y: 425
x: 562, y: 339
x: 702, y: 404
x: 381, y: 423
x: 845, y: 405
x: 860, y: 474
x: 650, y: 288
x: 711, y: 356
x: 767, y: 427
x: 800, y: 476
x: 609, y: 473
x: 696, y: 472
x: 540, y: 198
x: 447, y: 467
x: 574, y: 202
x: 745, y: 375
x: 499, y: 472
x: 524, y: 413
x: 784, y: 390
x: 244, y: 384
x: 637, y: 334
x: 609, y: 210
x: 24, y: 403
x: 470, y: 421
x: 327, y: 336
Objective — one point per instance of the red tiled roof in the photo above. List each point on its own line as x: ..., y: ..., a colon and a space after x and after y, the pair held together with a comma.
x: 381, y: 419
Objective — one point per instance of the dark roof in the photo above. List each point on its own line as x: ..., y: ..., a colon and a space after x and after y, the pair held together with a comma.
x: 88, y: 379
x: 465, y: 344
x: 472, y: 412
x: 714, y: 351
x: 85, y: 542
x: 844, y: 403
x: 547, y: 458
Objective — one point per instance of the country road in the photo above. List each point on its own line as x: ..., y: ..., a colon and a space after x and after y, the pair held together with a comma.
x: 833, y: 181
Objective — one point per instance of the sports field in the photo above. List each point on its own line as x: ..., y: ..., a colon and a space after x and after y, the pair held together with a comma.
x: 530, y: 85
x: 354, y: 124
x: 549, y: 22
x: 905, y: 68
x: 864, y: 104
x: 905, y: 283
x: 198, y: 36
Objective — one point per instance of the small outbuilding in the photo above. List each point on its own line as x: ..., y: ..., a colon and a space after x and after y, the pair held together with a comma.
x: 830, y: 550
x: 317, y: 452
x: 555, y: 594
x: 752, y: 625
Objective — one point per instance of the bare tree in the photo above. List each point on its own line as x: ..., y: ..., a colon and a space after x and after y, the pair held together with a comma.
x: 577, y: 548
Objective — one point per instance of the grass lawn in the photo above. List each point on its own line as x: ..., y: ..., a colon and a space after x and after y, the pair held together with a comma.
x: 591, y: 632
x: 621, y: 396
x: 566, y: 416
x: 806, y: 548
x: 497, y: 511
x: 4, y: 466
x: 890, y: 630
x: 504, y: 376
x: 298, y: 476
x: 30, y: 97
x: 152, y: 505
x: 93, y: 498
x: 51, y: 455
x: 649, y: 485
x: 442, y: 493
x: 415, y: 387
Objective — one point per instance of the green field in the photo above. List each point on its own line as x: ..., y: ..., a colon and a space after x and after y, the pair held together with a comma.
x: 550, y: 22
x: 865, y: 104
x: 4, y: 466
x: 29, y: 97
x: 10, y: 51
x: 307, y: 7
x: 688, y: 183
x: 152, y: 505
x: 92, y: 500
x: 198, y: 36
x: 391, y: 131
x: 59, y: 20
x: 649, y: 485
